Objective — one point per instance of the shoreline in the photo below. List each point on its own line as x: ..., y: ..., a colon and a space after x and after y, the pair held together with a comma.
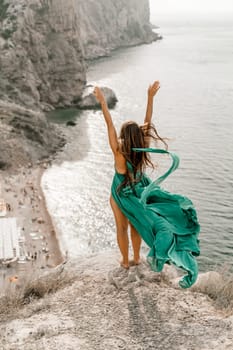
x: 24, y: 195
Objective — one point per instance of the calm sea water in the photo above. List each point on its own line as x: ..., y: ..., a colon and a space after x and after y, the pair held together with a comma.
x: 194, y: 108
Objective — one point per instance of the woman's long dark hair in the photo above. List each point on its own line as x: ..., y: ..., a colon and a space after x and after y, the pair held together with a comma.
x: 134, y: 136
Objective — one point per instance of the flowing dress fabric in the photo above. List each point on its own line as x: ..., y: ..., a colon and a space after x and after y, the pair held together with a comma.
x: 167, y: 222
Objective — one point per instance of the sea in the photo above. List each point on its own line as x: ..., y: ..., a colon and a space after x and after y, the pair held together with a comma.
x: 193, y: 109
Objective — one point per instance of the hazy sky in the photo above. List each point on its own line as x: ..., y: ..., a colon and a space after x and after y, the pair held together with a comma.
x: 165, y: 6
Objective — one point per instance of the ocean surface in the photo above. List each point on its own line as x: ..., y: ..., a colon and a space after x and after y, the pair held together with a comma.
x: 193, y: 108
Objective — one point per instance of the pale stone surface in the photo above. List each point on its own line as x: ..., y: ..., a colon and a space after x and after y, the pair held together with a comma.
x: 108, y: 307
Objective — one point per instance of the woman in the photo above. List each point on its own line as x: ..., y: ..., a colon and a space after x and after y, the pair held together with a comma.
x: 166, y: 222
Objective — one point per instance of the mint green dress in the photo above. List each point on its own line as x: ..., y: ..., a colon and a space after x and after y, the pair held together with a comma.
x: 167, y: 222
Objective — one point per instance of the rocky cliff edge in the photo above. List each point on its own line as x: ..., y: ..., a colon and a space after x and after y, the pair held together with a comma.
x: 98, y: 305
x: 44, y: 45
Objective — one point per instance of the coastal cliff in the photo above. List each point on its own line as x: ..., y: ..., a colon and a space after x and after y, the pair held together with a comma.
x: 44, y: 47
x: 26, y: 136
x: 113, y: 24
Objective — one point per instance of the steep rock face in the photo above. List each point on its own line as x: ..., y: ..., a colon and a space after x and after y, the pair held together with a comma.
x: 44, y: 44
x: 112, y: 24
x: 41, y: 56
x: 26, y: 136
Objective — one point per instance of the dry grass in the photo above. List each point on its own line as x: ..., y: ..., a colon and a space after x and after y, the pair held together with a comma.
x: 225, y: 296
x: 219, y: 287
x: 36, y: 288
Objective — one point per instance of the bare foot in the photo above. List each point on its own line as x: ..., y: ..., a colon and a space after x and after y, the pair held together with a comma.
x: 134, y: 262
x: 125, y: 266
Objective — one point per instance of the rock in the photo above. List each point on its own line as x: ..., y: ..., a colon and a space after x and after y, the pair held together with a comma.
x: 70, y: 123
x: 113, y: 24
x: 44, y: 65
x: 4, y: 165
x: 44, y: 45
x: 40, y: 221
x: 89, y: 101
x: 26, y: 136
x: 91, y: 303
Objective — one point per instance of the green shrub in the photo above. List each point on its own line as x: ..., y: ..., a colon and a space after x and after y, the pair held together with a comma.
x: 3, y: 9
x: 6, y: 34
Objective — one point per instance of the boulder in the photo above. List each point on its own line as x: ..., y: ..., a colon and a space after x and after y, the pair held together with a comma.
x: 89, y: 101
x: 70, y: 123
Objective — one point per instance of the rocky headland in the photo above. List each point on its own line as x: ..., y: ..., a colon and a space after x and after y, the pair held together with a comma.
x: 44, y: 49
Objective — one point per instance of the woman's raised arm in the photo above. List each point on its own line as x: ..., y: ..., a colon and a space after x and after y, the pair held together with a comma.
x: 152, y: 91
x: 112, y: 134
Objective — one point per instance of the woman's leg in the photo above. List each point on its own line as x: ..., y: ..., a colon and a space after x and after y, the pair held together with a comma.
x: 122, y: 233
x: 136, y: 244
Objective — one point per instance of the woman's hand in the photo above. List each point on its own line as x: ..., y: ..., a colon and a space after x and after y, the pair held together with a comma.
x: 153, y: 89
x: 99, y: 95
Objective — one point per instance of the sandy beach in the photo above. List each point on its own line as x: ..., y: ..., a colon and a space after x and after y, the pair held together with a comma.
x: 25, y: 200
